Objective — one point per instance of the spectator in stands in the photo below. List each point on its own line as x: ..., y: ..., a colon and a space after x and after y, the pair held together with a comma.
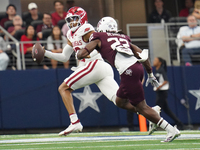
x: 162, y: 91
x: 4, y: 59
x: 55, y: 46
x: 17, y: 25
x: 159, y: 13
x: 47, y: 24
x: 65, y: 29
x: 30, y: 35
x: 190, y: 36
x: 60, y: 14
x: 69, y: 4
x: 33, y: 14
x: 11, y: 12
x: 196, y: 11
x: 189, y: 6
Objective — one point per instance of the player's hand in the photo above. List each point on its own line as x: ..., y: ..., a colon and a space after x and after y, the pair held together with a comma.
x: 88, y: 56
x: 152, y: 79
x: 44, y: 49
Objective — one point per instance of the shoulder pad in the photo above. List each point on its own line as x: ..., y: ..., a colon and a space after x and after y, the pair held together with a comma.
x: 84, y: 29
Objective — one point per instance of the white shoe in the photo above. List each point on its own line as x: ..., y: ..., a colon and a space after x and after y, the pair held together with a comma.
x: 172, y: 135
x: 72, y: 128
x: 153, y: 126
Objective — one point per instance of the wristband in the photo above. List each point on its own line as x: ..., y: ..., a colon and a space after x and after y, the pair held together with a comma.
x: 150, y: 74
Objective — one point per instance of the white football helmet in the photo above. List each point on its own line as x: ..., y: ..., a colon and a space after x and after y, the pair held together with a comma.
x: 76, y: 16
x: 107, y: 24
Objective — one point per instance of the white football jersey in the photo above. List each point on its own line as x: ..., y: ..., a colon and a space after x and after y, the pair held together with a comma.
x: 78, y: 43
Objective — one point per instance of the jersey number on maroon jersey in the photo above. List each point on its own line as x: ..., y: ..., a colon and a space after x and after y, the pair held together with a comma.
x: 119, y: 46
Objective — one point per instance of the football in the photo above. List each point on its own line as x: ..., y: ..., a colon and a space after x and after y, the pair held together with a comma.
x: 38, y: 53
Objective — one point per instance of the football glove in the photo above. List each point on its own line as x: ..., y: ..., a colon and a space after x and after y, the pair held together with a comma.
x: 152, y: 79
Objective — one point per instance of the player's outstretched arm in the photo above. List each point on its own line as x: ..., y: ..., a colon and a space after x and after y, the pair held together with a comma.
x: 83, y: 53
x: 64, y: 56
x: 151, y: 78
x: 136, y: 50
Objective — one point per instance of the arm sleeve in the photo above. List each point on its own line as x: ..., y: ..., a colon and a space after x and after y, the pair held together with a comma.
x: 63, y: 57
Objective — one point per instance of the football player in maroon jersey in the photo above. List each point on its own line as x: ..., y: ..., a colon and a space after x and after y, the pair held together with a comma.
x: 128, y: 59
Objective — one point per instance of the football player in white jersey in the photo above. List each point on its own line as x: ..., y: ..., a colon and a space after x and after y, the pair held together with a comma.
x: 89, y: 70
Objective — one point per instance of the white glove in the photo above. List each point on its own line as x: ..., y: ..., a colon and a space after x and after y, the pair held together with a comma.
x: 143, y: 55
x: 152, y: 79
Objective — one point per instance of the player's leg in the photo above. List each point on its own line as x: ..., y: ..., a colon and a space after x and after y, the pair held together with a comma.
x: 75, y: 125
x: 132, y: 87
x: 147, y: 112
x: 108, y: 86
x: 153, y: 126
x: 65, y: 93
x: 150, y: 114
x: 79, y: 78
x: 125, y: 104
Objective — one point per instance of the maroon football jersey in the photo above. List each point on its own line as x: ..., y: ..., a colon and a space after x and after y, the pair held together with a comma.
x: 110, y: 44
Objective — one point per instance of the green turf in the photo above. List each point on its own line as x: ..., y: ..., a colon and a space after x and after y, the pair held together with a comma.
x: 98, y: 144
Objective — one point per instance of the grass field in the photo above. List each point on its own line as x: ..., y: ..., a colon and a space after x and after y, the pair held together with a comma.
x: 101, y: 141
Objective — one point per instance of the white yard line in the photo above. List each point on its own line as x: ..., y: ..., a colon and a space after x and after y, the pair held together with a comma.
x: 100, y: 138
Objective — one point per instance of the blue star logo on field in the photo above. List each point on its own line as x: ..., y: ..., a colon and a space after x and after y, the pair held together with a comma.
x: 88, y: 99
x: 196, y: 93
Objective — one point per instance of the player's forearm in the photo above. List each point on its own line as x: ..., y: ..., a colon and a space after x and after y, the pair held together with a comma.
x: 135, y: 50
x: 63, y: 57
x: 147, y: 66
x: 83, y: 53
x: 56, y: 56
